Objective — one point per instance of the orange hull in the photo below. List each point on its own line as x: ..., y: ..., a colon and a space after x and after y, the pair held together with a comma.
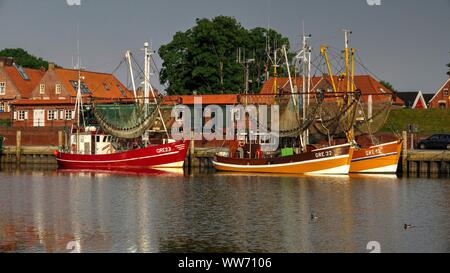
x: 382, y: 158
x: 333, y: 164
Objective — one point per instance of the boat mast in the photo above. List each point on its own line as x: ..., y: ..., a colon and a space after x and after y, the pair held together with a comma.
x: 347, y: 65
x: 349, y: 89
x: 128, y: 56
x: 293, y: 91
x: 79, y: 99
x: 148, y: 88
x: 275, y: 65
x: 306, y: 82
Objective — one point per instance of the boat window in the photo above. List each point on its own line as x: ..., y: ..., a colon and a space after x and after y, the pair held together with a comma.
x: 104, y: 138
x: 97, y: 139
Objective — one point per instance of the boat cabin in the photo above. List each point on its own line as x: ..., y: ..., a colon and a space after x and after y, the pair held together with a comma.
x: 91, y: 143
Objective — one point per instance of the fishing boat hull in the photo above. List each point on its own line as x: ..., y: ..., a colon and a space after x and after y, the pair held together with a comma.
x: 382, y: 158
x: 331, y: 160
x: 171, y: 155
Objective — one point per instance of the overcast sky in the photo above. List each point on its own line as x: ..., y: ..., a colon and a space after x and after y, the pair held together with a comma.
x: 405, y: 42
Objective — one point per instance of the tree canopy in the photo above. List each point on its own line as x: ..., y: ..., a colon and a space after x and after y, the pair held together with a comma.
x: 388, y: 85
x: 204, y: 59
x: 23, y: 58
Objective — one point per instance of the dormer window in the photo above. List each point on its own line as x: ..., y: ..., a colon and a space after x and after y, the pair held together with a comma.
x: 42, y: 89
x: 58, y: 88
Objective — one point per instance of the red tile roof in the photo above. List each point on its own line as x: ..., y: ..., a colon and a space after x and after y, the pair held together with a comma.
x: 44, y: 102
x: 224, y: 99
x: 25, y: 87
x: 365, y: 83
x: 97, y: 83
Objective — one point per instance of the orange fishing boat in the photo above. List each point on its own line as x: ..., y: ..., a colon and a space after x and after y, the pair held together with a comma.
x: 381, y: 158
x: 329, y: 160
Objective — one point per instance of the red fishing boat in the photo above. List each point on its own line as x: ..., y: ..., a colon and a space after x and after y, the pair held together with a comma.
x: 112, y: 147
x: 170, y: 155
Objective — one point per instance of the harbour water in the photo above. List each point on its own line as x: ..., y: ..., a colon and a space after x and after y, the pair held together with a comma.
x: 45, y: 210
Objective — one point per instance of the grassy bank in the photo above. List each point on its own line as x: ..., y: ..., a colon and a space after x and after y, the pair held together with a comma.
x: 428, y: 122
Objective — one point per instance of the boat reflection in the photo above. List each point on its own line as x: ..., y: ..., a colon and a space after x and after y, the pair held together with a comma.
x: 375, y: 177
x: 122, y: 172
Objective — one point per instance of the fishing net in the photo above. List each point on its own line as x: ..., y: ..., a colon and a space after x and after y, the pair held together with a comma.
x: 127, y: 121
x: 335, y: 116
x: 372, y: 113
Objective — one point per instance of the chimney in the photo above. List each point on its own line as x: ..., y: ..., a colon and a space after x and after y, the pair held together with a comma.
x: 51, y: 66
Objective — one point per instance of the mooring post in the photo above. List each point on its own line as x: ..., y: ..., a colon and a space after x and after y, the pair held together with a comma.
x: 60, y: 139
x: 192, y: 150
x: 405, y: 153
x: 18, y: 145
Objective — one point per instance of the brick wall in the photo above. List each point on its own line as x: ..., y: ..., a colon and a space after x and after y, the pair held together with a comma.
x: 31, y: 136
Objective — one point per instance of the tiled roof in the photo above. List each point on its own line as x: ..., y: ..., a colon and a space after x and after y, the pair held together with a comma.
x: 101, y: 85
x: 25, y: 87
x: 44, y: 102
x: 224, y: 99
x: 365, y: 83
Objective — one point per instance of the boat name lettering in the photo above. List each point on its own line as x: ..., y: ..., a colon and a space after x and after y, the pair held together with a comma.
x: 324, y: 154
x: 163, y: 150
x: 373, y: 152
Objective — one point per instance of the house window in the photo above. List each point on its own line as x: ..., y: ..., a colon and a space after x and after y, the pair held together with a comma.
x: 69, y: 114
x: 2, y: 88
x: 58, y: 89
x: 446, y: 92
x: 2, y: 107
x: 22, y: 115
x: 52, y: 114
x: 42, y: 89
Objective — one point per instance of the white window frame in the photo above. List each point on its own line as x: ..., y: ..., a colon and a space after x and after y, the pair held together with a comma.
x: 2, y: 88
x: 69, y: 114
x: 2, y: 107
x: 52, y: 115
x: 42, y: 89
x: 58, y: 89
x: 236, y: 114
x: 22, y: 115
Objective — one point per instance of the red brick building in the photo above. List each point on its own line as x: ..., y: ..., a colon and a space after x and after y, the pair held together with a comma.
x: 52, y: 101
x: 16, y: 83
x: 441, y: 99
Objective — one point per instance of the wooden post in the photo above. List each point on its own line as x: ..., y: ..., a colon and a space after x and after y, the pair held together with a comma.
x: 192, y: 150
x: 405, y: 153
x: 18, y: 145
x: 60, y: 139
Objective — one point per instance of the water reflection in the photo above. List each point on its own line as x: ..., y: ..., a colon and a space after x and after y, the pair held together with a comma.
x: 42, y: 211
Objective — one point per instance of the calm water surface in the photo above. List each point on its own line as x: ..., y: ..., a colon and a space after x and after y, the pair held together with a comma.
x: 44, y: 210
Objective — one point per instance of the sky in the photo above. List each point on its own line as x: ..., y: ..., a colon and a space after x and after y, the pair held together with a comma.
x: 404, y: 42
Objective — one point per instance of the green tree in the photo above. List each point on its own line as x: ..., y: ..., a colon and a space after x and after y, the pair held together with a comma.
x: 388, y: 85
x: 204, y: 58
x: 23, y: 58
